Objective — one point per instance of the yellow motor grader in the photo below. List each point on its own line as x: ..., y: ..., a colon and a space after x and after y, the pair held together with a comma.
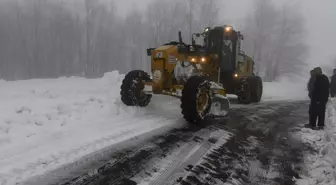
x: 201, y: 75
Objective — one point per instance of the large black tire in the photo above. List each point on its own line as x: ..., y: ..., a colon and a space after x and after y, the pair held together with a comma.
x: 190, y: 97
x: 131, y: 89
x: 245, y: 90
x: 257, y: 89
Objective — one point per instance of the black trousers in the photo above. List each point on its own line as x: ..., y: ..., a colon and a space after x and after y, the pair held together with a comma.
x: 317, y: 113
x: 332, y: 91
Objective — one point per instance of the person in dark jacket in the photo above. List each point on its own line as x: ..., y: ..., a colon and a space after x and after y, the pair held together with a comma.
x: 319, y: 99
x: 333, y: 84
x: 310, y: 91
x: 311, y: 83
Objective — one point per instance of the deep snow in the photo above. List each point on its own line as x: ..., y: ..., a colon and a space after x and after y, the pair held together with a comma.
x: 47, y: 123
x: 320, y: 166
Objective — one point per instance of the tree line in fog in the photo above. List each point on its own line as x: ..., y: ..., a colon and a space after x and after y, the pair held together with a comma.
x: 52, y: 38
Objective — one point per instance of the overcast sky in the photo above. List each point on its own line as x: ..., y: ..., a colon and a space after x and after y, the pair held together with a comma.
x: 320, y: 15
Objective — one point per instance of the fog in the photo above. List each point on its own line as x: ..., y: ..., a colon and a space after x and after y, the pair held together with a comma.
x: 52, y: 38
x: 321, y: 23
x: 320, y: 18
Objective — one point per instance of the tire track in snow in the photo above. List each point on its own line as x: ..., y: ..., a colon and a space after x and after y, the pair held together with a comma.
x: 239, y: 161
x: 130, y: 164
x: 121, y: 161
x: 144, y: 159
x: 187, y: 156
x: 121, y: 147
x: 125, y: 133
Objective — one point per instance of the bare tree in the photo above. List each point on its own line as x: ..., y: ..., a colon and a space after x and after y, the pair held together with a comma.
x: 191, y: 4
x: 259, y: 28
x: 43, y: 39
x: 208, y: 14
x: 275, y: 38
x: 165, y: 19
x: 329, y: 66
x: 290, y: 49
x: 24, y: 50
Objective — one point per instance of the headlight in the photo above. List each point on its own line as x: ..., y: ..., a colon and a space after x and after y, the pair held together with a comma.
x: 207, y: 29
x: 203, y: 59
x: 228, y: 29
x: 236, y: 75
x: 193, y: 59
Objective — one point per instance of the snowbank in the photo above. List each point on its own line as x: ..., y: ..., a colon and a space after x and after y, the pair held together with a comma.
x: 321, y: 166
x: 46, y: 123
x: 284, y: 90
x: 287, y: 87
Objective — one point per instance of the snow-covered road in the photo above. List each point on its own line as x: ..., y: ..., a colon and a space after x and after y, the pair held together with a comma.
x: 249, y: 148
x: 47, y: 123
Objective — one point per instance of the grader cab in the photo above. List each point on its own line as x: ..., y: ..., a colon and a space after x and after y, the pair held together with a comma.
x: 201, y: 75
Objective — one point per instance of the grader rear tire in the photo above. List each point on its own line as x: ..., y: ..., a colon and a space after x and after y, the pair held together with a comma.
x: 131, y: 89
x: 257, y: 89
x: 196, y: 99
x: 244, y: 95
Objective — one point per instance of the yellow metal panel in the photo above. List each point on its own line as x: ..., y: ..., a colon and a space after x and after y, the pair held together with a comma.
x: 163, y: 48
x: 167, y: 64
x: 158, y: 85
x: 169, y: 53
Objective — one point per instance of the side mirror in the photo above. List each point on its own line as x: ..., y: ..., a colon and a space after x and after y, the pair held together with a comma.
x: 198, y: 35
x: 149, y: 51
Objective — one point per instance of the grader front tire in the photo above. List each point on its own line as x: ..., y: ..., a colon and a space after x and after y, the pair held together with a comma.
x: 196, y: 99
x: 131, y: 89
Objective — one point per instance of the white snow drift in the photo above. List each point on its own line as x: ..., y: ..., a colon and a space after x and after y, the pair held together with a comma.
x: 320, y: 167
x: 286, y: 88
x: 50, y: 122
x: 46, y: 123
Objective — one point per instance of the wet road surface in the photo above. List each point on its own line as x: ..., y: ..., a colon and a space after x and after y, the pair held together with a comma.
x: 253, y: 146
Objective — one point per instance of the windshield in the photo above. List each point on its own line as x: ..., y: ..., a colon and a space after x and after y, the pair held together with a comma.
x: 200, y: 40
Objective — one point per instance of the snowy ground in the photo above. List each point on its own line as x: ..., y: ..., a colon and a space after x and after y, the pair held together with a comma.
x: 46, y: 123
x: 320, y: 166
x: 285, y: 90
